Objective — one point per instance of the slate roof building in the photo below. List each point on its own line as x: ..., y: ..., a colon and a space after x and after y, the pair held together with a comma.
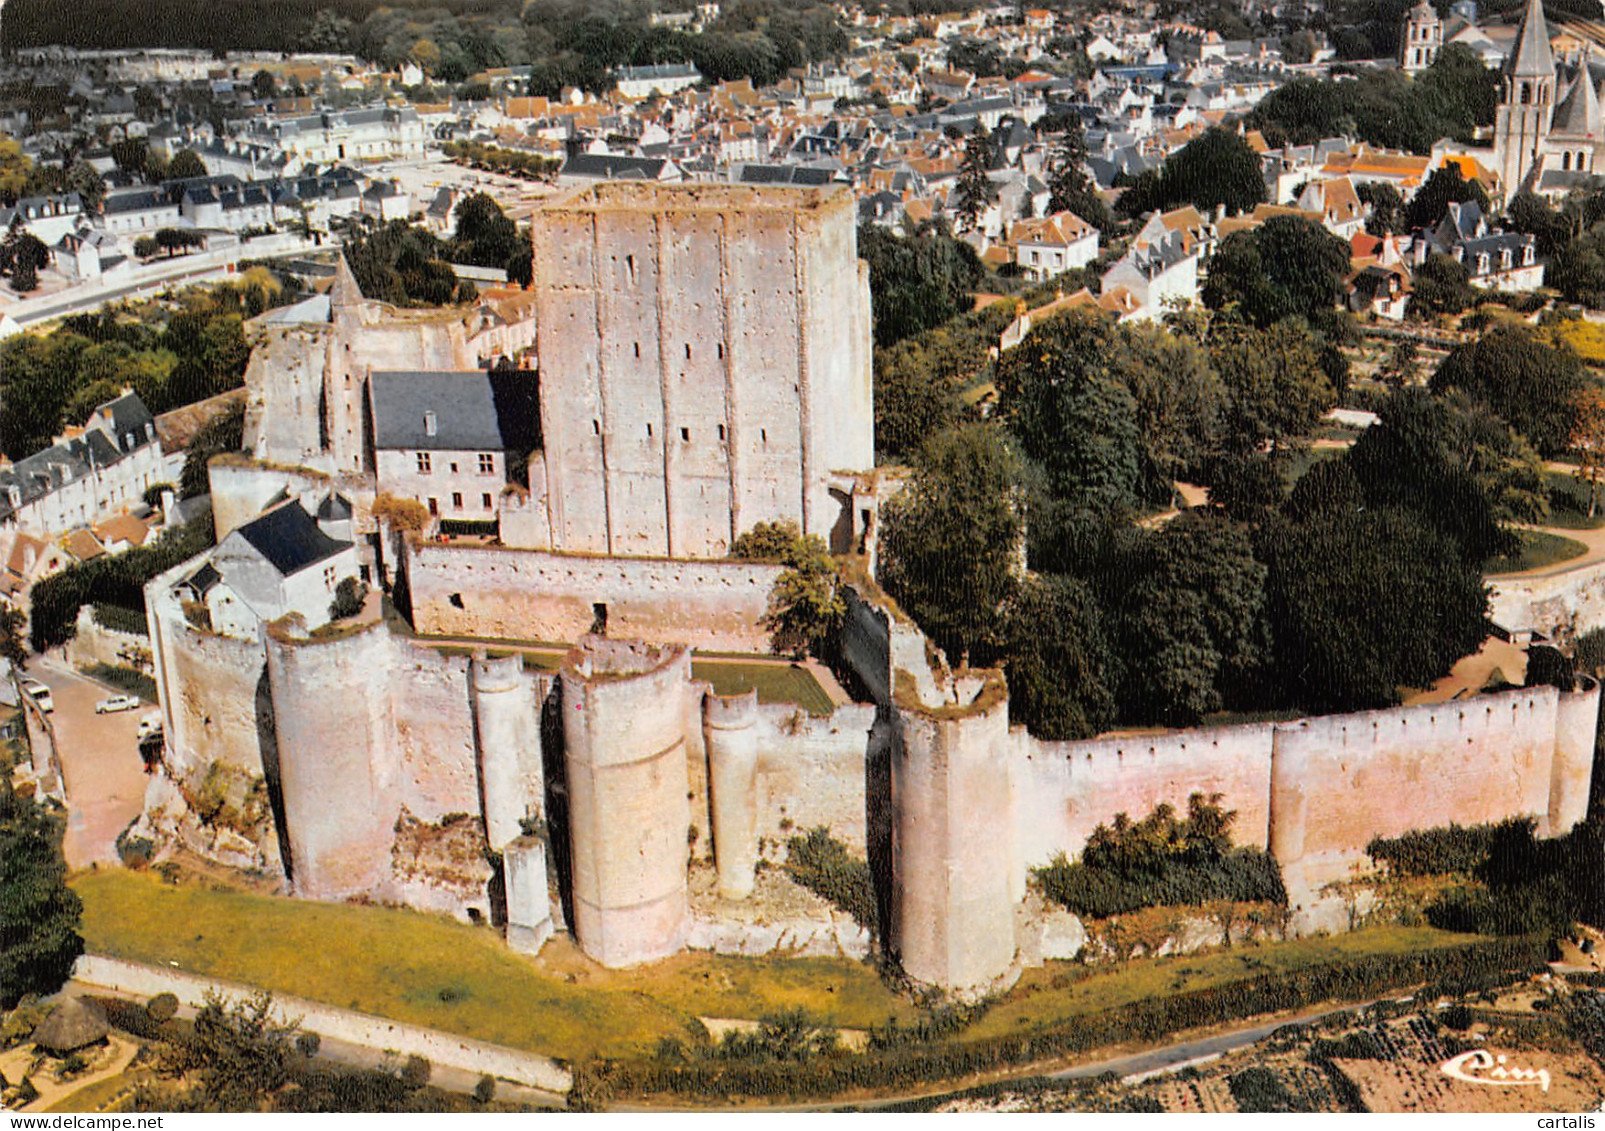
x: 89, y: 474
x: 281, y: 562
x: 454, y: 440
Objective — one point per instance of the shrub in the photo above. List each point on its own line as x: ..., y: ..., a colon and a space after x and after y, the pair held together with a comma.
x: 162, y: 1008
x: 348, y: 598
x: 1161, y: 861
x: 1258, y: 1089
x: 401, y: 514
x: 131, y: 680
x: 485, y: 1090
x: 113, y: 579
x: 1434, y: 852
x: 153, y: 494
x: 823, y: 865
x: 416, y: 1072
x: 120, y: 618
x: 1590, y: 657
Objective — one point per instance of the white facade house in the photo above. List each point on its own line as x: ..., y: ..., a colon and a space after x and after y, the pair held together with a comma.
x: 104, y: 469
x: 281, y: 562
x: 1054, y: 244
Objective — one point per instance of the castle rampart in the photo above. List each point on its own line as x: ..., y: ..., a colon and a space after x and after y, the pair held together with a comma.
x: 495, y: 593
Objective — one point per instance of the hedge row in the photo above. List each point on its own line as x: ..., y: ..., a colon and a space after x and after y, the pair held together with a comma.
x: 1451, y: 970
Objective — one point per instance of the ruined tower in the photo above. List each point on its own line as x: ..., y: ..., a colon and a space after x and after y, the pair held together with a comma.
x: 625, y: 708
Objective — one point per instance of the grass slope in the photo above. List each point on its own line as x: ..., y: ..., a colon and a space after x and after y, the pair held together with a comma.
x: 428, y: 970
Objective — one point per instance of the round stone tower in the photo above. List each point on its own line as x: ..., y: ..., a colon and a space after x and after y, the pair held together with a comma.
x: 336, y: 768
x: 730, y: 729
x: 508, y: 727
x: 953, y: 846
x: 624, y: 708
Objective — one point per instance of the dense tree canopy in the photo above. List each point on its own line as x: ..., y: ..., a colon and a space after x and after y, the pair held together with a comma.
x: 1286, y: 266
x: 1384, y: 107
x: 916, y: 281
x: 1530, y: 383
x: 1217, y: 168
x: 1064, y: 399
x: 39, y: 914
x: 1363, y: 602
x: 948, y: 547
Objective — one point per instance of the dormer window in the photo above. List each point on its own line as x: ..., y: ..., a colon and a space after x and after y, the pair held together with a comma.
x: 430, y: 427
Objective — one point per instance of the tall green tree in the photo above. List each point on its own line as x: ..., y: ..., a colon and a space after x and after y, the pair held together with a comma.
x: 949, y: 541
x: 1337, y: 584
x: 917, y: 281
x: 1286, y: 267
x: 1446, y: 186
x: 1061, y: 396
x: 1530, y: 383
x: 974, y: 190
x: 1217, y: 168
x: 1276, y: 389
x: 1060, y: 664
x: 39, y: 913
x: 186, y: 163
x: 1442, y: 285
x: 1069, y: 189
x: 1194, y: 621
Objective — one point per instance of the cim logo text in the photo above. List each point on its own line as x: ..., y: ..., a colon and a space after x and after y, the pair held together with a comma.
x: 1482, y: 1067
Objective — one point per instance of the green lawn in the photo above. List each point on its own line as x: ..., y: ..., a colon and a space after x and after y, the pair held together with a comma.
x: 1568, y: 503
x: 1538, y: 549
x: 1035, y: 1002
x: 776, y: 681
x: 428, y: 970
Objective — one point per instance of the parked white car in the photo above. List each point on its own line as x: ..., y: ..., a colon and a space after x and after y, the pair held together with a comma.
x: 117, y: 703
x: 150, y: 725
x: 40, y: 694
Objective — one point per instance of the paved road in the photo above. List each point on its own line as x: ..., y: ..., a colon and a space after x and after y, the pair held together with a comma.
x: 1178, y: 1056
x: 352, y: 1055
x: 100, y: 759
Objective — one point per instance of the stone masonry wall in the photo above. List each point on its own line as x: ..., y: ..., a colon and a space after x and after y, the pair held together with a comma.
x: 1563, y: 604
x: 531, y: 595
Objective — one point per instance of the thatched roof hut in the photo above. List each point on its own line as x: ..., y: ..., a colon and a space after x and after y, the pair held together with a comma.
x: 72, y: 1025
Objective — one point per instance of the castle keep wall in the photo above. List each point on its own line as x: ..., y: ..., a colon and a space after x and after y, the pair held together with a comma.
x: 624, y: 714
x: 687, y: 338
x: 208, y: 688
x: 342, y: 794
x: 530, y: 595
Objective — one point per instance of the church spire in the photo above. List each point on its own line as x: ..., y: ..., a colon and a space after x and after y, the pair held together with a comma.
x: 1531, y: 58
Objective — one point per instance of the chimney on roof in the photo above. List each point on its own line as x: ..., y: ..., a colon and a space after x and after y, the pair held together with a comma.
x: 429, y: 423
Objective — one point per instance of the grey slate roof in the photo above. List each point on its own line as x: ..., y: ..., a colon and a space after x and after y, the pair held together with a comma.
x: 1531, y: 57
x: 482, y: 411
x: 288, y: 538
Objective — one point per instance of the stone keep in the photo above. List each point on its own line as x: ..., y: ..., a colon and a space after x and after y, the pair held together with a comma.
x: 705, y: 366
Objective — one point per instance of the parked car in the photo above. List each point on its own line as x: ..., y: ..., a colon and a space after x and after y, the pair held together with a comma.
x: 150, y: 726
x: 40, y: 694
x: 117, y: 703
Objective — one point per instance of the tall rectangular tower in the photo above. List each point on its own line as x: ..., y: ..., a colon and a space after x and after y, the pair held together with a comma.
x: 705, y: 363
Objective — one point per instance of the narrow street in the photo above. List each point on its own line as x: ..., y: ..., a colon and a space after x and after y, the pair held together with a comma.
x: 105, y: 779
